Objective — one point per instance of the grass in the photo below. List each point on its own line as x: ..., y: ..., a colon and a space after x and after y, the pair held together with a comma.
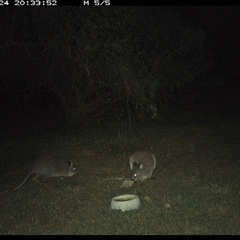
x: 194, y: 190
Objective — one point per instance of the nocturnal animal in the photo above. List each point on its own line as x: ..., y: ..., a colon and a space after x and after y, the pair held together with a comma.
x: 46, y: 167
x: 142, y: 164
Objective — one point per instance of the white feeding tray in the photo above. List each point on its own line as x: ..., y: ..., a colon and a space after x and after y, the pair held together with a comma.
x: 125, y: 202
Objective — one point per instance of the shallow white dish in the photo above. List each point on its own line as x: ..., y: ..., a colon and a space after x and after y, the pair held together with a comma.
x: 125, y: 202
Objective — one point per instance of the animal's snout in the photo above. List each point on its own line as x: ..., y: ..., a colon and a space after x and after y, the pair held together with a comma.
x: 72, y: 168
x: 134, y: 177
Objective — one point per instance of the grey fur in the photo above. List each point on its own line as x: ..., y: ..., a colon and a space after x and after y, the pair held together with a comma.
x: 142, y: 164
x: 45, y: 167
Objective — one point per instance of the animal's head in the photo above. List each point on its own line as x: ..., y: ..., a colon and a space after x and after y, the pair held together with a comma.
x: 71, y: 168
x: 137, y: 172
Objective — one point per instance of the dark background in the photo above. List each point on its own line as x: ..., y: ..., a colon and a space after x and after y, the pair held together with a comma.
x: 222, y: 27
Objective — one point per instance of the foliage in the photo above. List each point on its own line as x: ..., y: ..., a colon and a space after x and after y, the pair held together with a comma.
x: 114, y: 62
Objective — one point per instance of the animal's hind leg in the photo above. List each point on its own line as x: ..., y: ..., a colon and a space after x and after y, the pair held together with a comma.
x: 40, y: 179
x: 35, y: 177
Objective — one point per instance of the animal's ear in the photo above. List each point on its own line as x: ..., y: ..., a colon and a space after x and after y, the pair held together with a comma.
x: 70, y: 163
x: 140, y: 166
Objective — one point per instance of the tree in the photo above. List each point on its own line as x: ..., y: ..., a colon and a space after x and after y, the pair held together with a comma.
x: 113, y: 62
